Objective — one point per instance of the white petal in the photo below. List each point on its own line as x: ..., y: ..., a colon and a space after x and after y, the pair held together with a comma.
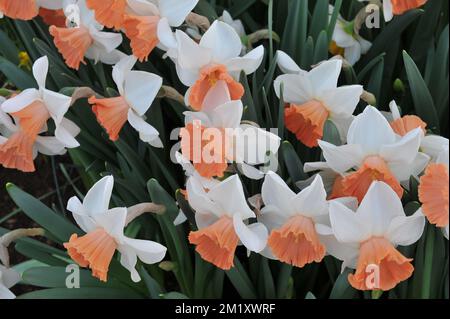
x: 5, y: 293
x: 9, y: 277
x: 253, y: 144
x: 176, y: 11
x: 297, y: 88
x: 365, y: 45
x: 49, y: 145
x: 147, y: 132
x: 98, y: 197
x: 325, y: 76
x: 66, y: 132
x: 404, y: 171
x: 371, y: 130
x: 276, y: 193
x: 112, y: 221
x: 346, y: 225
x: 228, y: 115
x: 253, y: 237
x: 379, y: 207
x: 148, y: 251
x: 343, y: 100
x: 216, y: 96
x: 141, y: 89
x: 395, y: 110
x: 128, y: 259
x: 249, y: 63
x: 342, y: 124
x: 180, y: 219
x: 231, y: 188
x: 287, y: 64
x: 121, y: 69
x: 57, y: 104
x: 205, y: 220
x: 80, y: 215
x: 250, y: 171
x: 223, y: 40
x: 388, y: 10
x: 199, y: 200
x: 433, y: 145
x: 107, y: 40
x: 191, y: 55
x: 445, y: 230
x: 353, y: 53
x: 165, y: 34
x: 341, y: 251
x: 21, y: 101
x: 40, y: 70
x: 403, y: 151
x: 272, y: 217
x: 405, y: 231
x: 341, y: 158
x: 312, y: 201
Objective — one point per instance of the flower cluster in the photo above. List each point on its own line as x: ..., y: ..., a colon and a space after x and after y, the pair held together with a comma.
x: 351, y: 206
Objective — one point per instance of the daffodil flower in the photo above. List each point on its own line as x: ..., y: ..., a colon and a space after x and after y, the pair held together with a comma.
x: 431, y: 145
x: 314, y: 97
x: 85, y: 39
x: 220, y: 215
x: 31, y: 110
x: 200, y: 66
x: 393, y: 8
x: 104, y: 234
x: 47, y: 145
x: 294, y: 220
x: 217, y: 132
x: 137, y: 91
x: 143, y: 19
x: 26, y: 9
x: 433, y: 191
x: 346, y: 42
x: 8, y: 278
x: 367, y: 239
x: 376, y: 153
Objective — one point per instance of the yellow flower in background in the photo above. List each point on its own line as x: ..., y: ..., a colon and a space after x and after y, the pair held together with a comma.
x: 24, y: 60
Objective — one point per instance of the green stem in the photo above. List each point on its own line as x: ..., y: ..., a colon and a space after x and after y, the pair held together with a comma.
x: 428, y: 266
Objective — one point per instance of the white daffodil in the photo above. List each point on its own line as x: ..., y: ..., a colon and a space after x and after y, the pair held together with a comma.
x: 137, y: 90
x: 367, y: 239
x: 346, y: 42
x: 392, y: 8
x: 432, y: 145
x: 83, y: 37
x: 220, y: 216
x: 294, y: 220
x: 144, y: 21
x: 200, y: 66
x: 104, y: 234
x: 376, y: 153
x: 215, y: 137
x: 47, y: 145
x: 314, y: 97
x: 8, y: 278
x: 433, y: 191
x: 31, y: 110
x: 27, y: 9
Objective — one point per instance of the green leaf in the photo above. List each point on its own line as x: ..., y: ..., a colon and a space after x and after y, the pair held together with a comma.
x: 153, y: 287
x: 81, y: 293
x: 21, y: 79
x: 57, y: 225
x: 293, y: 163
x: 390, y: 34
x: 331, y: 133
x: 423, y: 101
x: 240, y: 280
x: 8, y: 49
x: 342, y: 288
x: 295, y: 31
x: 55, y: 277
x: 319, y: 20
